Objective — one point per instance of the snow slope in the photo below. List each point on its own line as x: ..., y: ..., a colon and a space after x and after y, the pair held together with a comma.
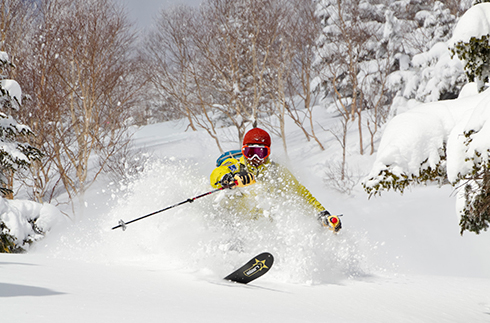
x: 59, y: 290
x: 398, y: 258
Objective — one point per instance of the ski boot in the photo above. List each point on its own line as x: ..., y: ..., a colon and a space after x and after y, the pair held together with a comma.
x: 332, y: 222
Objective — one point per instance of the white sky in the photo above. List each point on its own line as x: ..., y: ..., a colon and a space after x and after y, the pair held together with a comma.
x: 144, y: 11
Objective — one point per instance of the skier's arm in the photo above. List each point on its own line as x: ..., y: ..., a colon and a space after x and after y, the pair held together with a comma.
x: 299, y: 189
x: 332, y: 222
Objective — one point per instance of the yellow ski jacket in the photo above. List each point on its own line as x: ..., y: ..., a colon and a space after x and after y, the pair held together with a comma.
x: 273, y: 177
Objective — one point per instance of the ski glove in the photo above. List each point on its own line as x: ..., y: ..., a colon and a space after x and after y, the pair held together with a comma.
x: 332, y: 222
x: 244, y: 179
x: 227, y: 181
x: 240, y: 179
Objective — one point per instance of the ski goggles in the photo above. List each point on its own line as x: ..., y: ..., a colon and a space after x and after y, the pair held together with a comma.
x: 261, y: 152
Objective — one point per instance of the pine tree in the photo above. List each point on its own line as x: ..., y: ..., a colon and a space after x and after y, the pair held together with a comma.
x: 14, y: 154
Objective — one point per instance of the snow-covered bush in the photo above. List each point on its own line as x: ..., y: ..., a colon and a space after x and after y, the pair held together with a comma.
x: 445, y: 141
x: 24, y: 222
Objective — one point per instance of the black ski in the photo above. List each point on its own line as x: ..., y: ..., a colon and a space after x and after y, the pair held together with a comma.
x: 256, y: 267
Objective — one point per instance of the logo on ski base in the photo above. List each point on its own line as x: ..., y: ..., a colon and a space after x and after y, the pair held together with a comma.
x: 257, y: 267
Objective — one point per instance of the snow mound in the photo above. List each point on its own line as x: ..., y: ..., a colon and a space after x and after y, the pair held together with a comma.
x: 474, y: 23
x: 28, y: 221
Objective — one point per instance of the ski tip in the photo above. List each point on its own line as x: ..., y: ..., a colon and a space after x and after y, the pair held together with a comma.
x: 266, y: 255
x: 253, y: 269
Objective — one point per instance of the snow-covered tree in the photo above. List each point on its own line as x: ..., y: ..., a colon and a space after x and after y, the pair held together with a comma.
x: 14, y: 152
x: 401, y: 57
x: 353, y: 59
x: 425, y: 71
x: 444, y: 141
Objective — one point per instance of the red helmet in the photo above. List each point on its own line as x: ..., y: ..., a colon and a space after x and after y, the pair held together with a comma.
x: 257, y: 136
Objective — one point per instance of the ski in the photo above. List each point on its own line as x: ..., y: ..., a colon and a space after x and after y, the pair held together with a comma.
x: 256, y: 267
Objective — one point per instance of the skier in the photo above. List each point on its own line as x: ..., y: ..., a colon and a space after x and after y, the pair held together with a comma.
x: 255, y: 166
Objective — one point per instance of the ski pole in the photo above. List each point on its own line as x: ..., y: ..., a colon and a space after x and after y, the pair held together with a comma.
x: 123, y: 224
